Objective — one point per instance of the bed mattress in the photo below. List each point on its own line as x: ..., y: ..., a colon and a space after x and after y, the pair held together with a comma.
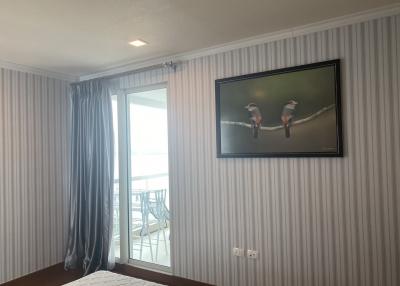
x: 107, y: 278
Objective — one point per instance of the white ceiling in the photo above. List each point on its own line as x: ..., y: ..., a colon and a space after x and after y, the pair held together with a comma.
x: 79, y: 37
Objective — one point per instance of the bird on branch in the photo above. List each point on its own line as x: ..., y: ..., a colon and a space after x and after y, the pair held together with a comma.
x: 287, y: 116
x: 255, y: 118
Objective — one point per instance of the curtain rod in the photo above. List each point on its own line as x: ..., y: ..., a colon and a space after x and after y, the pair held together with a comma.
x: 170, y: 64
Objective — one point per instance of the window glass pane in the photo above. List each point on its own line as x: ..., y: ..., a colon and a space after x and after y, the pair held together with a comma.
x: 148, y: 182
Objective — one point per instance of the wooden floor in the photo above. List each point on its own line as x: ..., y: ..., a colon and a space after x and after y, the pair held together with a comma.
x: 56, y: 276
x: 52, y: 276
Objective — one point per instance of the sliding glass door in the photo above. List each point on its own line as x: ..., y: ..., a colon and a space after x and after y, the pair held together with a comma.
x: 142, y: 236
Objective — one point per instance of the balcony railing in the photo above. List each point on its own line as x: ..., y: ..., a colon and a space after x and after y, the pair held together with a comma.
x: 148, y: 182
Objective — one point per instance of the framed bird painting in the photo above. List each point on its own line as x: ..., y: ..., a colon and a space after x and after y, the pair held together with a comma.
x: 290, y: 112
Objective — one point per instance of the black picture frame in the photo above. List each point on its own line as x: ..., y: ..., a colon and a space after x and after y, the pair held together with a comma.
x: 222, y: 86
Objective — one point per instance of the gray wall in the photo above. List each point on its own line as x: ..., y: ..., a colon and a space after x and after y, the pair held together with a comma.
x: 34, y: 124
x: 315, y: 221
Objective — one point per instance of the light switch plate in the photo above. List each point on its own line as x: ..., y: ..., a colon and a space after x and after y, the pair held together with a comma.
x: 238, y: 251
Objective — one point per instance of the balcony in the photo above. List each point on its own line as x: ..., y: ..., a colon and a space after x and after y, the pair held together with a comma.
x: 148, y: 220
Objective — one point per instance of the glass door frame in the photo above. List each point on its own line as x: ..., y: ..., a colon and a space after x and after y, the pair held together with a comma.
x: 124, y: 171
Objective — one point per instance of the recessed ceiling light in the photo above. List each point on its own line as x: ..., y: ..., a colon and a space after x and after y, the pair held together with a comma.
x: 138, y: 43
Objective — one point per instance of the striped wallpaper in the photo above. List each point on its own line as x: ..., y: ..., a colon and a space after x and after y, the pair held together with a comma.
x: 34, y: 124
x: 315, y: 221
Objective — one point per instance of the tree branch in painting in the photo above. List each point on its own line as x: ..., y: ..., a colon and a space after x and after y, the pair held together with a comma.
x: 272, y: 128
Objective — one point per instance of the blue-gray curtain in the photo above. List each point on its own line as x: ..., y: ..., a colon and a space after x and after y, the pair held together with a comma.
x: 92, y: 175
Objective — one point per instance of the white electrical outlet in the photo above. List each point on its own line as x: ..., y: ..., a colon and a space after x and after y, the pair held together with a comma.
x: 238, y: 251
x: 253, y: 254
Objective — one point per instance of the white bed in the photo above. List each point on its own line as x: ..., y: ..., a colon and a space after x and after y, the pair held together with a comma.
x: 110, y: 279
